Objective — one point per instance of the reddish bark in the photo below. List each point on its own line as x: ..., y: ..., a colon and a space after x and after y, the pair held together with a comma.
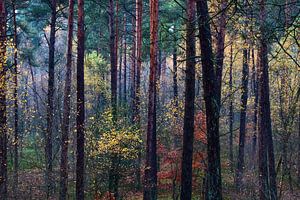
x: 150, y: 186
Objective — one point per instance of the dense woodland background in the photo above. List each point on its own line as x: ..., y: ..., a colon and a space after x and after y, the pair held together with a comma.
x: 133, y: 99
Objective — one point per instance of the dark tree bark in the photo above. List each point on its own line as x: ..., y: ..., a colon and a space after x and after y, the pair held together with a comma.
x: 150, y: 186
x: 16, y: 114
x: 80, y: 117
x: 50, y: 102
x: 113, y: 172
x: 214, y: 182
x: 120, y: 67
x: 267, y: 174
x: 67, y: 108
x: 220, y: 48
x: 133, y: 67
x: 231, y: 113
x: 113, y: 63
x: 255, y: 93
x: 125, y: 60
x: 3, y: 118
x: 177, y: 138
x: 189, y: 106
x: 244, y: 99
x: 139, y: 12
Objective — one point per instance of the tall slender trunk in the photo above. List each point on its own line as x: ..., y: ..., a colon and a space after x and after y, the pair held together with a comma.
x: 113, y: 63
x: 139, y: 12
x: 125, y: 60
x: 50, y: 102
x: 120, y: 68
x: 267, y: 174
x: 214, y: 182
x: 3, y: 123
x: 150, y: 186
x: 133, y: 68
x: 80, y: 117
x: 67, y: 108
x: 255, y: 93
x: 244, y: 99
x: 189, y: 106
x: 231, y: 113
x: 16, y: 114
x: 113, y: 172
x: 175, y: 92
x: 220, y: 49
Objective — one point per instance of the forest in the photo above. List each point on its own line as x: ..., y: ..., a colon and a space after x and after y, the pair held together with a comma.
x: 147, y: 100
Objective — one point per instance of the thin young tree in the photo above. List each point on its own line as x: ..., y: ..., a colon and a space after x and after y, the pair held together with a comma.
x: 150, y: 185
x: 214, y: 181
x: 3, y: 118
x: 66, y: 109
x: 80, y: 117
x: 231, y: 113
x: 189, y: 105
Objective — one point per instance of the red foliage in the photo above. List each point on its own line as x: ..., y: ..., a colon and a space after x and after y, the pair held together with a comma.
x: 200, y: 127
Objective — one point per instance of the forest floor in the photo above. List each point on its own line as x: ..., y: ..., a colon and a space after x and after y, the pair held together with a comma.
x: 31, y: 184
x: 31, y: 187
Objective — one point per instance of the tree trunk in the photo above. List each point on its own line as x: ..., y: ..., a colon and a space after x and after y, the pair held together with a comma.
x: 16, y: 114
x: 231, y: 113
x: 267, y: 174
x: 114, y: 67
x: 125, y: 60
x: 120, y: 68
x: 139, y: 12
x: 67, y: 107
x: 80, y: 117
x: 244, y: 99
x: 150, y: 186
x: 133, y: 68
x: 214, y: 182
x: 113, y: 173
x: 3, y: 123
x: 220, y: 49
x: 255, y: 93
x: 189, y: 106
x: 175, y: 92
x: 50, y: 102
